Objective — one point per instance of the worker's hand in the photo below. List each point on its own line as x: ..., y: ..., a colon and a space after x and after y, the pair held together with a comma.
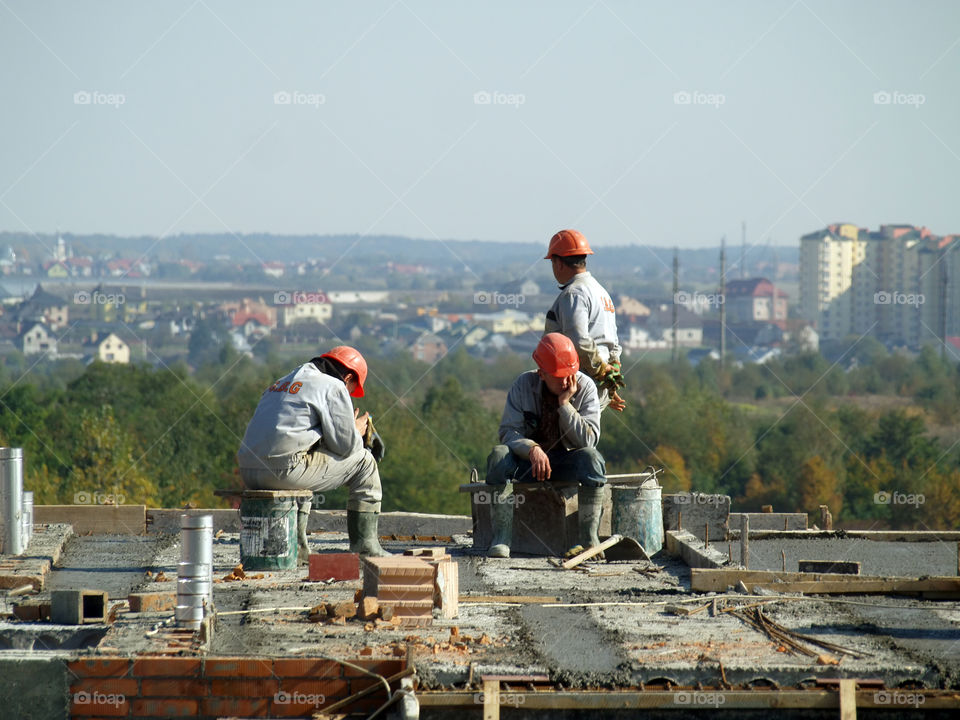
x: 360, y: 421
x: 564, y: 397
x: 540, y: 464
x: 617, y: 402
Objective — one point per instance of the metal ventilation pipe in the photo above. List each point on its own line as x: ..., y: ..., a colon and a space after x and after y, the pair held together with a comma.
x: 11, y: 499
x: 195, y: 571
x: 27, y: 518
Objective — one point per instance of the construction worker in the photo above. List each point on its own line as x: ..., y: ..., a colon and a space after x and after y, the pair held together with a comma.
x: 585, y: 313
x: 306, y: 435
x: 549, y: 431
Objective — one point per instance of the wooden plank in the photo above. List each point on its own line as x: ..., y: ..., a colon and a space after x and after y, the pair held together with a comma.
x: 707, y: 580
x: 95, y: 519
x: 591, y: 552
x: 520, y: 599
x: 848, y: 699
x: 491, y: 699
x: 840, y: 567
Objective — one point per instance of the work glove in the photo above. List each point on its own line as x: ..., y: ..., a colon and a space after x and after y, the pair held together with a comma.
x: 610, y: 377
x: 373, y: 442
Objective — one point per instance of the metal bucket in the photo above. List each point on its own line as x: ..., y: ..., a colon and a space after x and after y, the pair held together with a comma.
x: 11, y: 500
x: 268, y: 533
x: 638, y: 513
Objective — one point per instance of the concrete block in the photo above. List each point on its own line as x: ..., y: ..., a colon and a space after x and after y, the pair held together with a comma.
x: 152, y: 601
x: 95, y: 519
x: 684, y: 545
x: 545, y: 517
x: 765, y: 521
x: 34, y: 688
x: 698, y: 511
x: 339, y: 566
x: 78, y: 607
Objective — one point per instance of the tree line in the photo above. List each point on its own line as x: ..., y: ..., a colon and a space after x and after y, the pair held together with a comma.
x: 865, y: 432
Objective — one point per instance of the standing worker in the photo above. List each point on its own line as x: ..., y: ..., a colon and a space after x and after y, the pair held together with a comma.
x: 549, y: 431
x: 306, y: 435
x: 585, y: 313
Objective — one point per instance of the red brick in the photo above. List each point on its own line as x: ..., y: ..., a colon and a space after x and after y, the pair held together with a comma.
x: 166, y: 667
x: 99, y: 667
x: 336, y: 689
x: 106, y: 686
x: 225, y: 707
x: 166, y: 708
x: 234, y: 667
x: 174, y: 687
x: 152, y: 601
x: 386, y: 668
x: 339, y: 566
x: 295, y: 706
x: 306, y: 668
x: 244, y: 687
x: 84, y: 704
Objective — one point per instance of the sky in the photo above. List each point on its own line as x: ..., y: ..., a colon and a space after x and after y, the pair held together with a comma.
x: 662, y: 124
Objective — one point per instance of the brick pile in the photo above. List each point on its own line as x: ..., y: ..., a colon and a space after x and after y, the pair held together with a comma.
x: 403, y: 584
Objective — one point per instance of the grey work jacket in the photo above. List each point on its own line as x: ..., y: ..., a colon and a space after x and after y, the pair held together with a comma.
x: 579, y: 419
x: 585, y: 313
x: 298, y: 411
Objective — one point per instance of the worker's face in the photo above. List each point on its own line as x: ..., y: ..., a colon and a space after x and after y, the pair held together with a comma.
x: 554, y: 384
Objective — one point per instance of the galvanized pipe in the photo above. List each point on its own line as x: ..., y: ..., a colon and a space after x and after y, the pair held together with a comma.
x: 195, y: 571
x: 11, y: 500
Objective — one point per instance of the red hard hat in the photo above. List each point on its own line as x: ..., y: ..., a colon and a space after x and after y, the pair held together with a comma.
x: 353, y: 361
x: 568, y: 242
x: 556, y: 355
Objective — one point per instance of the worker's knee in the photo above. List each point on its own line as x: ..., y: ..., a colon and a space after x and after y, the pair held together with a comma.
x: 501, y: 465
x: 590, y: 467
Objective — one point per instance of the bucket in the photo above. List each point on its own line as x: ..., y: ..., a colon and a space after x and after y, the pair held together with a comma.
x: 268, y: 533
x: 638, y: 513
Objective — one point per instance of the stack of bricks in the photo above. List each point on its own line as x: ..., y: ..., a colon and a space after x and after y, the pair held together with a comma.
x: 403, y: 584
x: 446, y: 579
x: 216, y: 687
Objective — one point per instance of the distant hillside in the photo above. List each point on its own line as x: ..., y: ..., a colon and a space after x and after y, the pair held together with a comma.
x: 447, y: 255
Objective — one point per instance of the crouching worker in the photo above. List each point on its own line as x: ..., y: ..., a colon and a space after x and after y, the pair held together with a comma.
x: 549, y: 431
x: 306, y: 435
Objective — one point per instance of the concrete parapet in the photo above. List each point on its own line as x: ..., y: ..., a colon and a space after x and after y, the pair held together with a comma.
x: 698, y: 511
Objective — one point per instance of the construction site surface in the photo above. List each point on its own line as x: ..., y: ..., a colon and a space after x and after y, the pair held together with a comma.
x: 874, y: 631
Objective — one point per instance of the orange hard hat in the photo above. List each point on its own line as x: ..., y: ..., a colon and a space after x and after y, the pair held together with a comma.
x: 353, y: 361
x: 568, y: 242
x: 556, y: 355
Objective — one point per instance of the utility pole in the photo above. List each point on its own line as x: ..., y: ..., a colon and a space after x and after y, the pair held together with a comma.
x: 676, y: 291
x: 722, y: 298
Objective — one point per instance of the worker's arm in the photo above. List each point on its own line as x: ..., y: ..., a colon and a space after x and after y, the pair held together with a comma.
x: 338, y: 423
x: 580, y: 418
x: 512, y: 426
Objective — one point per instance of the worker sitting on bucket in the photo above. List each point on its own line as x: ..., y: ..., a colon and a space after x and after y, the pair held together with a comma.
x: 584, y: 312
x: 549, y: 431
x: 306, y: 435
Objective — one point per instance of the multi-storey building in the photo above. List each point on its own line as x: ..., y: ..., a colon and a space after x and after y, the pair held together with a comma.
x: 893, y: 283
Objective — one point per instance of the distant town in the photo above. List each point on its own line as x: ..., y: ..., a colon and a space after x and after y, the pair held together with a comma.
x: 84, y: 298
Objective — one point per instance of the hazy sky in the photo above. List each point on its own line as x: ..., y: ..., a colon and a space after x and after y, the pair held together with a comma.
x: 654, y: 123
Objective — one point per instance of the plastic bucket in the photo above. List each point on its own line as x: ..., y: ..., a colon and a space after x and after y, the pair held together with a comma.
x: 268, y: 533
x: 638, y: 513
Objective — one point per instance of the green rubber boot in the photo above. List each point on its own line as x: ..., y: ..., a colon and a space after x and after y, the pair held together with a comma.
x: 362, y: 531
x: 303, y: 518
x: 501, y: 514
x: 590, y: 500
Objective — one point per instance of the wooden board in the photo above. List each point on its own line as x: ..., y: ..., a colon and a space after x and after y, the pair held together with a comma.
x: 95, y: 519
x: 707, y: 580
